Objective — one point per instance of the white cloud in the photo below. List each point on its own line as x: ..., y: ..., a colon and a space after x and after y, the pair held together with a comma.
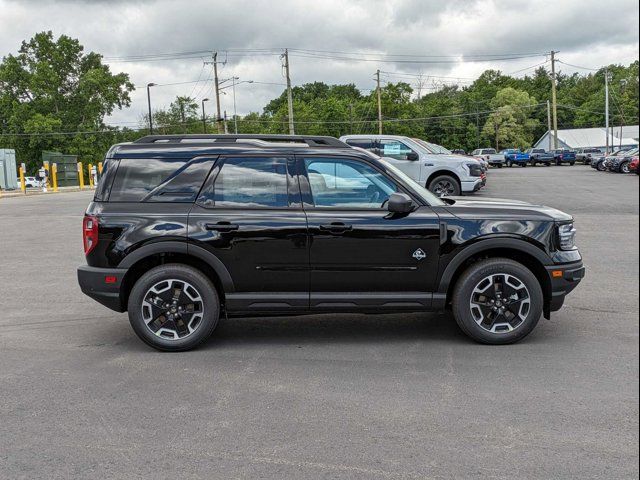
x: 587, y: 32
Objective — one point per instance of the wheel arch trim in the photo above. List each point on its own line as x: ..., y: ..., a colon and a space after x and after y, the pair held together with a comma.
x: 183, y: 248
x: 485, y: 246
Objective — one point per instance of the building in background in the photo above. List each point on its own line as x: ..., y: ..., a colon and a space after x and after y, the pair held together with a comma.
x: 626, y: 136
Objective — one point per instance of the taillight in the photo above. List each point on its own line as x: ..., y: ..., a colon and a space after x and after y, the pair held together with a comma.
x: 89, y: 233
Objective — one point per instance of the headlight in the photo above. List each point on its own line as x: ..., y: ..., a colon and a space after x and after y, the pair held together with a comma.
x: 475, y: 169
x: 567, y: 236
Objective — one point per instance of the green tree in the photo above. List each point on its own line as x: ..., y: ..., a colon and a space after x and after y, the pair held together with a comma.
x: 510, y: 124
x: 52, y: 86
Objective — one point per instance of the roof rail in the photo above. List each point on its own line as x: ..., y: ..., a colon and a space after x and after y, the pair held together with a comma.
x: 309, y: 140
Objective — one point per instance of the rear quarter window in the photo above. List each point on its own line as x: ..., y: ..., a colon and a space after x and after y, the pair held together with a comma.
x: 159, y: 179
x: 365, y: 143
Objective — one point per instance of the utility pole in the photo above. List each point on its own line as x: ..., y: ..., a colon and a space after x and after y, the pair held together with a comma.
x: 285, y: 56
x: 351, y: 118
x: 379, y: 92
x: 217, y: 89
x: 606, y: 106
x: 549, y: 124
x: 477, y: 125
x: 554, y: 99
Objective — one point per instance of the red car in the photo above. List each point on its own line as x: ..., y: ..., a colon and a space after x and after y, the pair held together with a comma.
x: 633, y: 166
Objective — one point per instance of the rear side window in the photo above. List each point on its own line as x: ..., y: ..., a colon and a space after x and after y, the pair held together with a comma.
x: 159, y: 179
x: 249, y: 182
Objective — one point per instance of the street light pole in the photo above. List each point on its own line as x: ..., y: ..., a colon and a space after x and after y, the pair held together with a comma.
x: 204, y: 118
x: 149, y: 85
x: 235, y: 113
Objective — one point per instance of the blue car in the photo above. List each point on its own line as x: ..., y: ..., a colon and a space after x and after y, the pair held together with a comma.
x: 513, y: 156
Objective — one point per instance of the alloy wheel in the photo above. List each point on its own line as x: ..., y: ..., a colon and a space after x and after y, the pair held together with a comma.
x: 500, y: 303
x: 444, y: 188
x: 172, y: 309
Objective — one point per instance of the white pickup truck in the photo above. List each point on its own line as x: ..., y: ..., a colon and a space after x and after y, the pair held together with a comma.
x: 491, y: 156
x: 442, y: 173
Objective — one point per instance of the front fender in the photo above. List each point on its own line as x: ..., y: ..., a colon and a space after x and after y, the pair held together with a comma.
x: 485, y: 245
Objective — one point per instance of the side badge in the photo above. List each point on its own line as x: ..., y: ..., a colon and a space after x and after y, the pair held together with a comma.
x: 419, y: 254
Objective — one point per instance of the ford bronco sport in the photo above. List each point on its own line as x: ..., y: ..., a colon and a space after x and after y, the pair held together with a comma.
x: 184, y: 229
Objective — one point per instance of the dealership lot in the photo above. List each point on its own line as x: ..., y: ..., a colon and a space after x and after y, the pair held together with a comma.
x: 347, y: 396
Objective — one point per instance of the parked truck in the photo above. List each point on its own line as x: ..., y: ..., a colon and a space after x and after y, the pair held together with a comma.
x: 540, y: 155
x: 490, y: 155
x: 514, y: 156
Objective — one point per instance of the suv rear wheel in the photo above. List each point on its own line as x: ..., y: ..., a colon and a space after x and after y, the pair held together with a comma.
x: 497, y: 301
x: 173, y: 307
x: 444, y: 186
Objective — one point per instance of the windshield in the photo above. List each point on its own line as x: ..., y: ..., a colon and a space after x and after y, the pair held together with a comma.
x: 427, y: 196
x: 426, y: 145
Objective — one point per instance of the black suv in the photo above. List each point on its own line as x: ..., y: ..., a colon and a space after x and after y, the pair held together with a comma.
x: 183, y: 229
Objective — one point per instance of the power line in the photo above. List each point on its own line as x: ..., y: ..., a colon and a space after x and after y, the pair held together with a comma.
x: 578, y: 66
x: 269, y: 120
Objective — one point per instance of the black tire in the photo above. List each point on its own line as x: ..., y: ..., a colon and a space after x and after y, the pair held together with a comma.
x: 571, y: 164
x: 500, y: 165
x: 208, y: 302
x: 509, y: 164
x: 624, y: 167
x: 533, y: 163
x: 472, y: 278
x: 524, y: 165
x: 600, y: 167
x: 445, y: 181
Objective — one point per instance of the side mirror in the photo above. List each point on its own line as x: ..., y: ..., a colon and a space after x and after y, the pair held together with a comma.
x: 413, y: 156
x: 400, y: 203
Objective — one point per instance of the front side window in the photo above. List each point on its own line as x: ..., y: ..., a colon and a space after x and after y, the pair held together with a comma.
x: 250, y: 182
x: 394, y: 149
x: 345, y: 183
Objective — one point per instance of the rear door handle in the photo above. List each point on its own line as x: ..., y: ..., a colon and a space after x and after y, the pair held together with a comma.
x: 221, y: 227
x: 336, y: 227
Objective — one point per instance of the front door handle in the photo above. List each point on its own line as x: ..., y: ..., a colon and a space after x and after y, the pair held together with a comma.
x: 221, y: 227
x: 336, y: 227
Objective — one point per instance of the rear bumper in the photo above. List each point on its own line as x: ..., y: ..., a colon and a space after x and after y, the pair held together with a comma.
x: 103, y: 285
x: 564, y: 279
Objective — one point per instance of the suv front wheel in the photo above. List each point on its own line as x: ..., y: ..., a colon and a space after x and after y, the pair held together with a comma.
x: 173, y: 307
x: 497, y: 301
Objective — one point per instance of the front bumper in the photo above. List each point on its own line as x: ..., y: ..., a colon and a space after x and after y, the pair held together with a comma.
x: 103, y: 285
x: 564, y: 279
x: 471, y: 186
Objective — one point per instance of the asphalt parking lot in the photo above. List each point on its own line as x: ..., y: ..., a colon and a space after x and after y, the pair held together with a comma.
x: 334, y: 396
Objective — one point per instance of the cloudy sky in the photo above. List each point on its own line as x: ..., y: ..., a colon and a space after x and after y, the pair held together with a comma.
x: 335, y: 41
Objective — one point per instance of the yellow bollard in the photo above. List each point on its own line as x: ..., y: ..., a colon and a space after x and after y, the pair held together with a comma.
x: 90, y: 168
x: 54, y: 176
x: 47, y: 177
x: 80, y: 175
x: 23, y: 184
x: 100, y: 168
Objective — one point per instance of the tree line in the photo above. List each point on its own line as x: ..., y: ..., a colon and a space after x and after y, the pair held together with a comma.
x: 55, y: 96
